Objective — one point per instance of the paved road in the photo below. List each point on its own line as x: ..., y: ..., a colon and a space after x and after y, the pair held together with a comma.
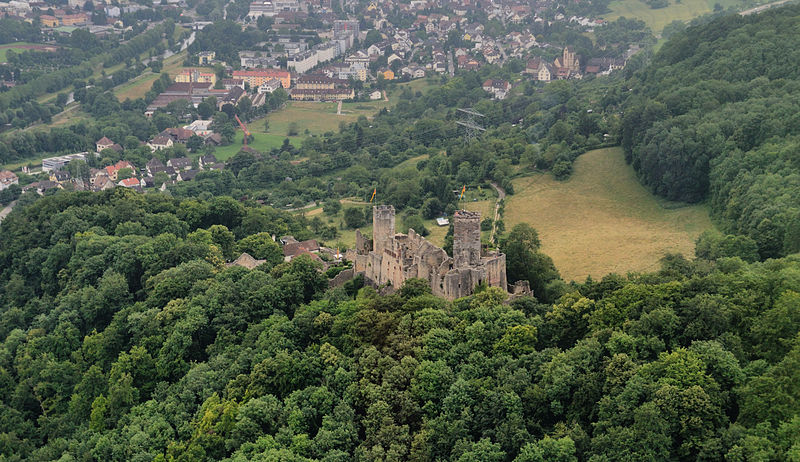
x: 761, y: 8
x: 7, y: 210
x: 501, y: 194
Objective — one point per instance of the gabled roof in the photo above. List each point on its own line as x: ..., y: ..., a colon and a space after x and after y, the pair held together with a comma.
x: 155, y: 163
x: 104, y: 141
x: 245, y: 260
x: 160, y: 141
x: 129, y: 182
x: 296, y: 248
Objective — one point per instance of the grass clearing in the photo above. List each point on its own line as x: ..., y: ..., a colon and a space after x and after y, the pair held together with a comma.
x: 602, y: 220
x: 317, y: 117
x: 656, y: 19
x: 263, y: 142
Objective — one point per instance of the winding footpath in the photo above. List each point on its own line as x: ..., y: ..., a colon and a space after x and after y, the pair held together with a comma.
x: 501, y: 194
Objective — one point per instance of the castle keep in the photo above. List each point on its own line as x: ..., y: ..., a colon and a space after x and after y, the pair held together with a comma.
x: 393, y: 258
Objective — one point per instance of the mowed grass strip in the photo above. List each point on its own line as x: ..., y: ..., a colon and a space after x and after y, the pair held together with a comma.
x: 602, y: 220
x: 656, y: 19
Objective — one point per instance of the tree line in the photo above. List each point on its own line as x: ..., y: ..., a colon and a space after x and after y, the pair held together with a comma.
x: 713, y: 116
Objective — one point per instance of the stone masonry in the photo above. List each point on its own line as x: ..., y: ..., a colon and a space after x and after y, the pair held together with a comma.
x: 392, y: 258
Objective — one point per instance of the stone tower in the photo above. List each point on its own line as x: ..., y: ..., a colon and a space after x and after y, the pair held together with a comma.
x: 382, y: 228
x: 466, y: 239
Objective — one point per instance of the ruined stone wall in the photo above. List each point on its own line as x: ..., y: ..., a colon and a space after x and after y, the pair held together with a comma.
x: 496, y: 271
x: 466, y: 239
x: 394, y: 258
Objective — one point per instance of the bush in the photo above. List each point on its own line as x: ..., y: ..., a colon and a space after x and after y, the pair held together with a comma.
x: 562, y: 169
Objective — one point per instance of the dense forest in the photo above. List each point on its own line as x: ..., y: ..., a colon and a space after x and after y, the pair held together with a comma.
x: 715, y: 115
x: 126, y: 337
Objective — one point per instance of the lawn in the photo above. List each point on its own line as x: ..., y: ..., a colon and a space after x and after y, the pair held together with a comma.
x: 318, y: 117
x: 685, y: 10
x: 421, y: 85
x: 263, y: 142
x: 602, y: 220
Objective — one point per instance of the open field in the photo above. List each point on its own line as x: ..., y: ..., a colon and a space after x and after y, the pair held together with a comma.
x: 318, y: 117
x: 263, y: 142
x: 602, y: 220
x: 137, y: 87
x: 421, y: 85
x: 685, y: 10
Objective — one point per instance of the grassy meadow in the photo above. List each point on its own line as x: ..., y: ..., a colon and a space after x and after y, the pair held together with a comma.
x: 602, y: 220
x: 656, y: 19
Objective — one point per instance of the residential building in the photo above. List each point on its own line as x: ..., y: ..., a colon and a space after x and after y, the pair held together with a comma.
x: 180, y: 163
x: 540, y: 70
x: 129, y: 183
x: 230, y: 83
x: 270, y: 86
x: 7, y: 178
x: 49, y: 21
x: 206, y: 57
x: 207, y: 161
x: 112, y: 171
x: 160, y: 142
x: 387, y: 74
x: 187, y: 175
x: 77, y: 19
x: 497, y: 87
x: 258, y: 77
x: 103, y: 143
x: 195, y: 76
x: 59, y: 176
x: 341, y: 26
x: 154, y: 166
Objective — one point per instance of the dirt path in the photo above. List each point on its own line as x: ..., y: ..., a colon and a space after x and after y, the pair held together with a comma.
x: 501, y: 194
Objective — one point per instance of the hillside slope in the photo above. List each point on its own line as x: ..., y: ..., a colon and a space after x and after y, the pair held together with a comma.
x: 602, y: 220
x: 717, y: 114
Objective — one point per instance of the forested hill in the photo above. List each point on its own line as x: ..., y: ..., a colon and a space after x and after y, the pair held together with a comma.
x: 125, y: 337
x: 717, y: 115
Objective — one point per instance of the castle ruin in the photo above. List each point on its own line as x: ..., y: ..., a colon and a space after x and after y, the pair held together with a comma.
x: 392, y: 257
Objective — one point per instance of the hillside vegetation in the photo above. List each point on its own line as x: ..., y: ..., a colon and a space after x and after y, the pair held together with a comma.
x: 125, y: 337
x: 716, y: 115
x: 602, y: 220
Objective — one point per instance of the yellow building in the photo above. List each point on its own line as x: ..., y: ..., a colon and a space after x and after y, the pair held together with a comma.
x: 315, y: 82
x: 256, y: 78
x: 195, y: 76
x: 48, y: 21
x: 205, y: 57
x: 387, y: 74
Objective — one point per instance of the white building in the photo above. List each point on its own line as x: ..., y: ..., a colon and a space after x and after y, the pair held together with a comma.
x: 269, y: 86
x: 56, y: 163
